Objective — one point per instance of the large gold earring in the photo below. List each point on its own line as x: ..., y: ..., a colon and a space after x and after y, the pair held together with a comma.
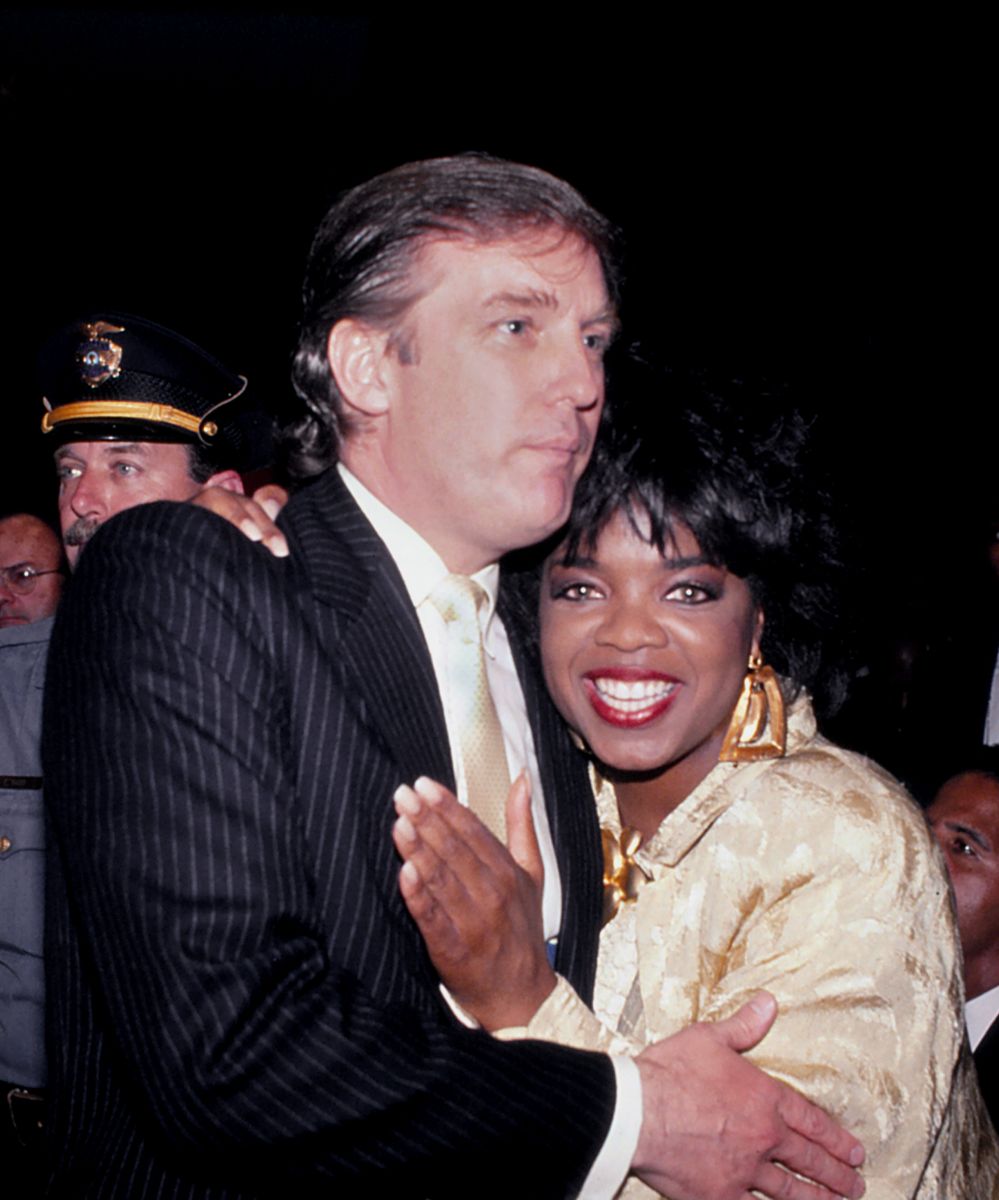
x: 758, y: 728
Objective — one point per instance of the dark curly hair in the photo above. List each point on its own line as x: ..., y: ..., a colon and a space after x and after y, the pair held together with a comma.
x: 361, y: 261
x: 733, y: 461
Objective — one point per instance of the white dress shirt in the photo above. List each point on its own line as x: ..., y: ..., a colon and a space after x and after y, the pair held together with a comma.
x: 990, y: 736
x: 422, y: 568
x: 980, y: 1013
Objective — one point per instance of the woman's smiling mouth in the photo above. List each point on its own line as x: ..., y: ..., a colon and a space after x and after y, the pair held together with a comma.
x: 628, y: 697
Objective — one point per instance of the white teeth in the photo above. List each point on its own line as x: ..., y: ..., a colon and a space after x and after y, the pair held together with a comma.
x: 630, y: 696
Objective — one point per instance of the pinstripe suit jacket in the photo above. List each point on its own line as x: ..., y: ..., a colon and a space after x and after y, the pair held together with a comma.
x: 239, y: 1004
x: 987, y: 1067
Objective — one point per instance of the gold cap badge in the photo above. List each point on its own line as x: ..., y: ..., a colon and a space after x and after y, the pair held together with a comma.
x: 98, y: 358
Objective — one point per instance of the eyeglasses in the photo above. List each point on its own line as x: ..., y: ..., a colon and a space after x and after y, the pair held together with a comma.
x: 22, y: 579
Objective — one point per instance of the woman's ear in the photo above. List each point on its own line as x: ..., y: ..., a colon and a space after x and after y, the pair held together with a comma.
x: 757, y: 634
x: 355, y: 352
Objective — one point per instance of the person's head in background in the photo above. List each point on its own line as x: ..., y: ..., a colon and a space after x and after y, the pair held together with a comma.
x: 964, y: 817
x: 31, y: 570
x: 136, y: 413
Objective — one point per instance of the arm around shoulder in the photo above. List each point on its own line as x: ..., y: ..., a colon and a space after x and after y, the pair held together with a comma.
x: 226, y: 919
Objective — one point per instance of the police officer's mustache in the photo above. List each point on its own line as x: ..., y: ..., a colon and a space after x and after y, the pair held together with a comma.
x: 81, y: 531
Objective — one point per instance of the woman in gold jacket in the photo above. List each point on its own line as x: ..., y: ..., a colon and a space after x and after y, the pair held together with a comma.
x: 685, y: 618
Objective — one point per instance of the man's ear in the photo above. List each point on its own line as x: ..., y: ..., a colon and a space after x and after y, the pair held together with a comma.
x: 229, y: 481
x: 356, y: 355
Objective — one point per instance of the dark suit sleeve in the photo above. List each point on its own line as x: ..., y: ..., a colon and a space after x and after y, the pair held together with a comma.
x: 240, y: 1030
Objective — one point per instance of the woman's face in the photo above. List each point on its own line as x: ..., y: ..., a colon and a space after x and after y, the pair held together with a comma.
x: 644, y: 654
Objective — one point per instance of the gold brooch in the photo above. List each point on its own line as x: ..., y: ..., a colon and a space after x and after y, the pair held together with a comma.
x: 622, y: 875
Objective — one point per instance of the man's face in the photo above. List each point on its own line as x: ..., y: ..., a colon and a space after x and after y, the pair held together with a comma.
x: 27, y: 544
x: 99, y: 479
x: 494, y: 391
x: 964, y: 817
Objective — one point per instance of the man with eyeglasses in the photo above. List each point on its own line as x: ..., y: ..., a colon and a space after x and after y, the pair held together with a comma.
x: 30, y: 570
x: 31, y: 579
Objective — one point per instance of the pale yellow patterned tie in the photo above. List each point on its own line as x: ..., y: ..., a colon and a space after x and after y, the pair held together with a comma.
x: 487, y: 778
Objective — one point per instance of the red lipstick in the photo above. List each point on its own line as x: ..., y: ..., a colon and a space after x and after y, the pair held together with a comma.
x: 629, y: 697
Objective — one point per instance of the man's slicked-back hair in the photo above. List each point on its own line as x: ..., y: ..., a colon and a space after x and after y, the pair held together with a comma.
x: 361, y: 260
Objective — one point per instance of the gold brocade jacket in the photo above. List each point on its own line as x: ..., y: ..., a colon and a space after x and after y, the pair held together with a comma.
x: 812, y: 876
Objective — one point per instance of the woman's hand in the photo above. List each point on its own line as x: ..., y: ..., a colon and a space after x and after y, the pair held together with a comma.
x: 477, y: 905
x: 252, y: 517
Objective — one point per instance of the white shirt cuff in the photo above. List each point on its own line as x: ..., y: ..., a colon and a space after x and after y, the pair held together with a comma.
x: 611, y: 1166
x: 465, y: 1018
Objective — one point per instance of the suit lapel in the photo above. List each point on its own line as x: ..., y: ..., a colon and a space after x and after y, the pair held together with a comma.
x: 391, y: 665
x: 373, y: 634
x: 372, y: 631
x: 571, y: 816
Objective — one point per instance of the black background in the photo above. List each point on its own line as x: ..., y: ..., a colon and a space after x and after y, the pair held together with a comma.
x: 806, y: 198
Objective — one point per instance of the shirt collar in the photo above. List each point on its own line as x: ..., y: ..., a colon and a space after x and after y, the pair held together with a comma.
x: 980, y: 1013
x: 419, y: 564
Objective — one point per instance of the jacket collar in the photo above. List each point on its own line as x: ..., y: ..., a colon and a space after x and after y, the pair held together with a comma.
x: 373, y: 633
x: 684, y: 827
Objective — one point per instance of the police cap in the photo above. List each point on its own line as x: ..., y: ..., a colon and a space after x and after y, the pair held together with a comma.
x: 115, y: 377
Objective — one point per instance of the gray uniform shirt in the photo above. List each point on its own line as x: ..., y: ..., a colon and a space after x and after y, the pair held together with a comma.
x: 23, y: 651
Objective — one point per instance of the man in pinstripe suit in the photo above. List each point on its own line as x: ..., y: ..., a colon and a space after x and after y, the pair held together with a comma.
x: 241, y: 1005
